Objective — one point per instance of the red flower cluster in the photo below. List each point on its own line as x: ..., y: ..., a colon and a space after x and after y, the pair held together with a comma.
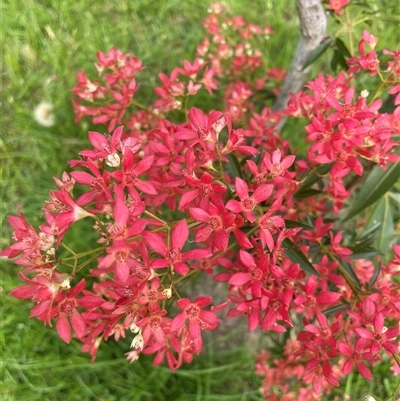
x: 169, y: 199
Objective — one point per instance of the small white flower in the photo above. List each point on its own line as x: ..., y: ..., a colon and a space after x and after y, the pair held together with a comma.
x: 66, y: 285
x: 369, y: 398
x: 43, y: 114
x: 364, y: 93
x: 132, y: 356
x: 167, y: 293
x: 137, y: 341
x: 113, y: 160
x: 133, y: 328
x: 51, y: 252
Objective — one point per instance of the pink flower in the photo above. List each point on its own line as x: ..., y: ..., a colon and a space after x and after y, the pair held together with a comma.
x: 310, y: 300
x: 68, y: 316
x: 130, y: 175
x: 337, y: 5
x: 248, y: 203
x: 355, y: 356
x: 381, y: 336
x: 276, y: 166
x: 198, y: 319
x: 173, y: 256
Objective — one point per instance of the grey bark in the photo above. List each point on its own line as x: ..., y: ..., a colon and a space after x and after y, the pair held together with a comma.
x: 313, y: 30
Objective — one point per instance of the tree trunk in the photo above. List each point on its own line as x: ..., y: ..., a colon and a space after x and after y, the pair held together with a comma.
x: 313, y: 30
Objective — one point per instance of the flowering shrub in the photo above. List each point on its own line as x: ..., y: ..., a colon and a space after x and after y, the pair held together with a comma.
x: 175, y: 191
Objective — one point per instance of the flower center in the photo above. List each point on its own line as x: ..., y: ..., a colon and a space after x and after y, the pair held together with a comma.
x: 275, y: 304
x: 174, y: 255
x: 249, y: 204
x: 118, y: 232
x: 256, y: 274
x: 122, y: 255
x: 310, y: 301
x: 130, y: 179
x: 215, y: 223
x: 67, y: 306
x: 205, y: 190
x: 192, y: 311
x: 153, y: 296
x: 97, y: 185
x: 155, y: 322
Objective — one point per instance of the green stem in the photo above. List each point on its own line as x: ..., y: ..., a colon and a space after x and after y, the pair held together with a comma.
x: 377, y: 92
x: 80, y: 267
x: 393, y: 395
x: 101, y: 225
x: 349, y: 31
x: 144, y: 108
x: 82, y: 254
x: 153, y: 216
x: 221, y: 170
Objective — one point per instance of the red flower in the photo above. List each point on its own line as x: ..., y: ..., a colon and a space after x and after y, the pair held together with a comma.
x: 68, y: 316
x: 270, y: 224
x: 355, y: 356
x: 310, y: 300
x: 129, y: 176
x: 381, y: 336
x: 173, y: 256
x: 248, y: 203
x: 217, y: 223
x: 198, y: 319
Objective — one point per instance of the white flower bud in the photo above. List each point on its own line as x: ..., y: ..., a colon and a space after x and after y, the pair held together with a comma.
x: 65, y: 284
x: 113, y: 160
x: 364, y: 93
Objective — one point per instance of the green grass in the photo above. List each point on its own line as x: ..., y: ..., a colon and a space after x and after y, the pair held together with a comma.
x: 63, y: 37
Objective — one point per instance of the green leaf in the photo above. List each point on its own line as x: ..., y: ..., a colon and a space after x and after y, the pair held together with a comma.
x: 318, y: 52
x: 349, y: 272
x: 342, y: 48
x: 294, y: 224
x: 297, y: 256
x: 371, y: 230
x: 340, y: 60
x: 385, y: 234
x: 375, y: 275
x: 376, y: 185
x: 334, y: 309
x: 259, y: 156
x: 234, y: 166
x: 366, y: 254
x: 308, y: 193
x: 313, y: 177
x: 334, y: 63
x: 364, y: 245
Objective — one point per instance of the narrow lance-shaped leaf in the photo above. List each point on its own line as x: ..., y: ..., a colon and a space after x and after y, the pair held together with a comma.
x: 385, y: 234
x: 338, y: 59
x: 334, y: 309
x: 372, y: 228
x: 312, y: 178
x: 367, y: 254
x: 293, y: 224
x: 376, y: 185
x: 318, y: 52
x: 307, y: 193
x: 297, y: 256
x: 350, y: 275
x: 342, y: 48
x: 234, y: 166
x: 375, y: 275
